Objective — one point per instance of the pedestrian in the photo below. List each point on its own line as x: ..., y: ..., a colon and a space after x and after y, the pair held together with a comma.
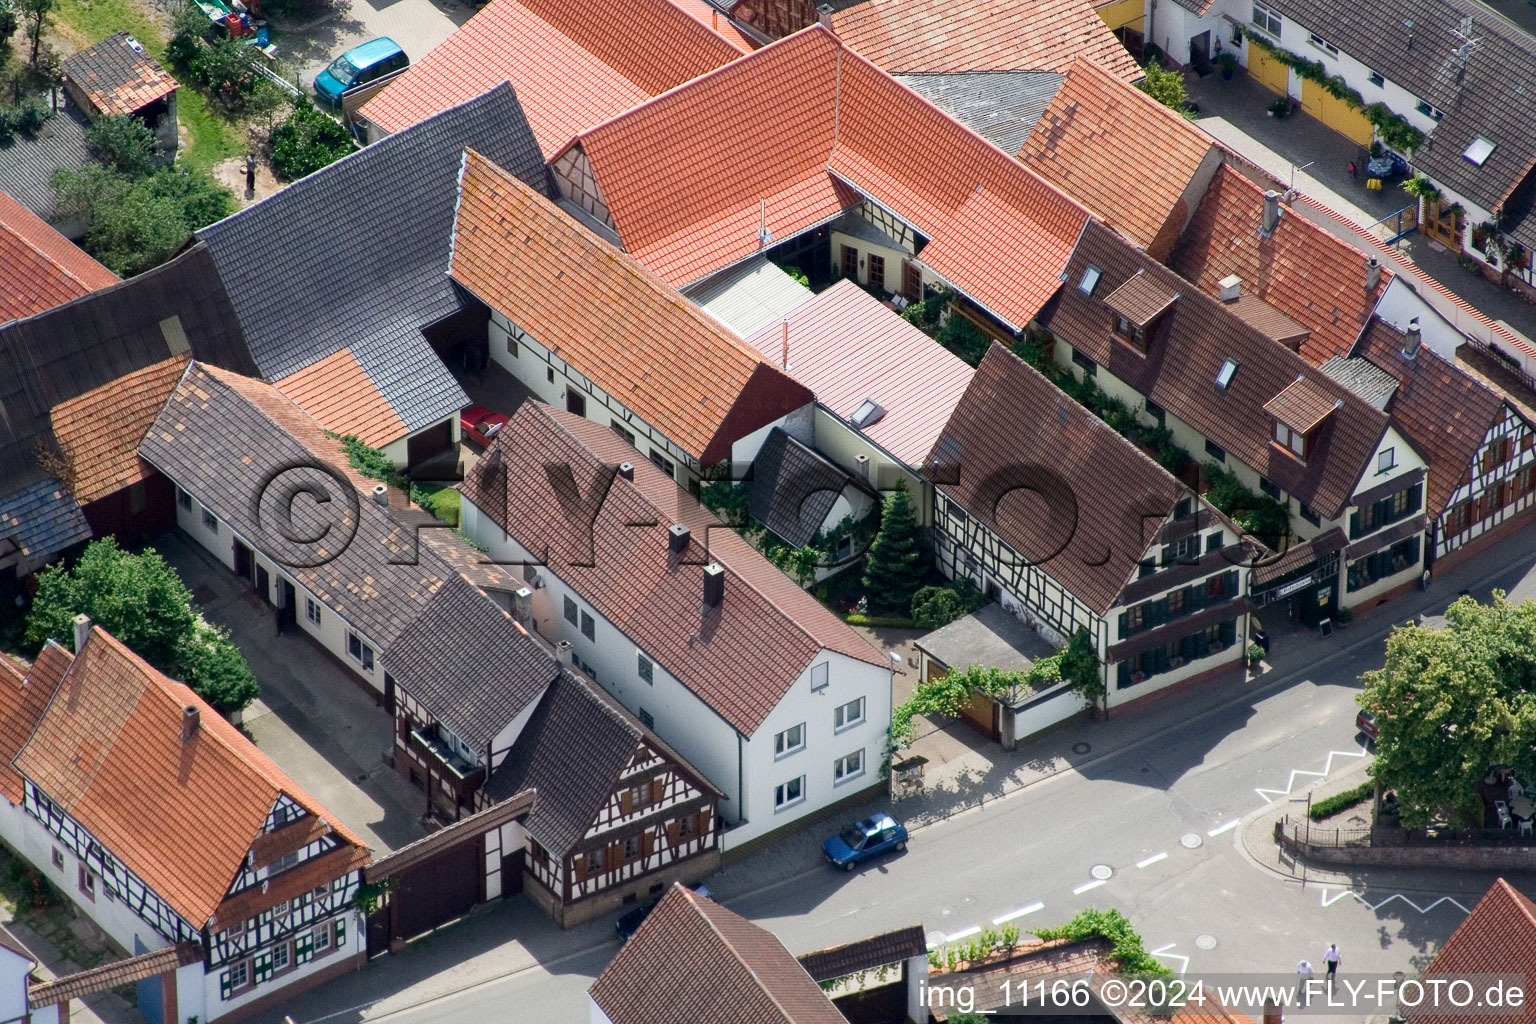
x: 1331, y: 958
x: 250, y: 175
x: 1354, y: 172
x: 1304, y: 975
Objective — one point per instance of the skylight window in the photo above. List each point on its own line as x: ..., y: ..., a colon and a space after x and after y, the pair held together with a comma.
x: 1090, y: 280
x: 1480, y: 150
x: 1225, y: 374
x: 868, y: 412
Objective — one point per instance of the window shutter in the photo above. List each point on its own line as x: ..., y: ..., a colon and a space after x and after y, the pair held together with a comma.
x: 1416, y: 497
x: 1124, y: 620
x: 647, y: 842
x: 614, y: 858
x: 1124, y: 673
x: 224, y: 986
x: 1158, y: 613
x: 579, y: 868
x: 672, y: 831
x: 1354, y: 524
x: 304, y: 947
x: 1229, y: 631
x: 658, y: 791
x: 1167, y: 556
x: 702, y: 824
x: 1231, y: 587
x: 626, y: 801
x: 341, y: 932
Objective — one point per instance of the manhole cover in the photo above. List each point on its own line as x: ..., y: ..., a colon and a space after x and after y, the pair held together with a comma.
x: 966, y: 901
x: 1103, y: 872
x: 944, y: 911
x: 935, y: 939
x: 1205, y: 942
x: 1190, y: 840
x: 1081, y: 748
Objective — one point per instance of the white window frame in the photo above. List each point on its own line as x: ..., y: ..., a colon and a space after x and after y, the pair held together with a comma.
x: 841, y: 772
x: 210, y: 521
x: 365, y: 653
x: 820, y: 676
x: 847, y: 722
x: 312, y: 610
x: 781, y: 798
x: 184, y: 499
x: 322, y: 939
x: 285, y: 952
x: 783, y: 748
x: 242, y: 970
x: 1318, y: 42
x: 1386, y: 460
x: 1267, y: 19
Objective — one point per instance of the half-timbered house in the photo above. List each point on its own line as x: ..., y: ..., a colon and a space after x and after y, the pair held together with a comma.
x: 618, y: 824
x: 163, y: 824
x: 778, y: 703
x: 1071, y: 527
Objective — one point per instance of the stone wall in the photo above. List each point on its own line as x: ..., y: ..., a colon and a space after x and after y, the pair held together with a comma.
x: 1382, y: 852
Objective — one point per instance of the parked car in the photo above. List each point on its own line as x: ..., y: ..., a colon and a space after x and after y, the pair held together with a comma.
x: 481, y: 425
x: 629, y: 922
x: 1365, y: 721
x: 359, y: 66
x: 865, y: 838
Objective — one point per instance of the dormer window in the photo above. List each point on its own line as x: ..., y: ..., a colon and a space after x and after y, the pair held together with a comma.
x: 1136, y: 306
x: 1133, y: 333
x: 1299, y: 412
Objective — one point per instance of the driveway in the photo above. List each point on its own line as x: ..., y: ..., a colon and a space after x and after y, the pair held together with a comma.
x: 311, y: 718
x: 417, y: 25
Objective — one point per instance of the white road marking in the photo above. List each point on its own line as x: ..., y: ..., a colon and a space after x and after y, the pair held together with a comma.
x: 1151, y: 860
x: 963, y: 933
x: 1011, y: 915
x: 1270, y: 795
x: 1219, y: 829
x: 1087, y: 885
x: 1163, y: 952
x: 1328, y: 901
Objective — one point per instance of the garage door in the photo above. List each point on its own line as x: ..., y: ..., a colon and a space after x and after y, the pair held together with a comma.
x: 1268, y: 71
x: 1335, y: 113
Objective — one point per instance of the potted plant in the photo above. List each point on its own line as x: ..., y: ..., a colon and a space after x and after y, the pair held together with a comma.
x: 1345, y: 616
x: 1228, y: 64
x: 1255, y: 655
x: 1280, y: 108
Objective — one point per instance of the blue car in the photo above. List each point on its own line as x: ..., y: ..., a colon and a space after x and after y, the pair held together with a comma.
x: 359, y: 66
x: 866, y: 838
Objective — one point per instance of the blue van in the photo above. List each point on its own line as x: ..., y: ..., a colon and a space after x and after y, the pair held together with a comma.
x: 359, y: 66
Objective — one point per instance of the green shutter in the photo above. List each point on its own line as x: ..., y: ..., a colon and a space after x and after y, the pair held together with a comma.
x: 1229, y: 631
x: 1354, y: 525
x: 1415, y: 498
x: 224, y: 986
x: 1158, y: 613
x: 341, y: 931
x: 1124, y: 621
x: 1231, y: 587
x: 304, y: 947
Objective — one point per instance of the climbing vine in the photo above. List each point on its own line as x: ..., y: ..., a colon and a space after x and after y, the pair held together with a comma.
x: 1393, y: 129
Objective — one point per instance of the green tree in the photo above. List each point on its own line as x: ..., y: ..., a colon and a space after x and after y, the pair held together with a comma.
x: 933, y: 607
x: 225, y: 68
x: 1080, y: 666
x: 140, y: 599
x: 137, y: 598
x: 123, y: 143
x: 1453, y: 701
x: 307, y: 141
x: 137, y: 225
x: 210, y: 663
x: 1167, y: 87
x: 897, y: 559
x: 34, y: 14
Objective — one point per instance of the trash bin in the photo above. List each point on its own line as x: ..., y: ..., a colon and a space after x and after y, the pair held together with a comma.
x: 1261, y: 638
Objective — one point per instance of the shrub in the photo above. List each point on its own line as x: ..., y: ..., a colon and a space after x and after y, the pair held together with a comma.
x: 123, y: 143
x: 307, y: 141
x: 225, y: 68
x: 933, y: 607
x: 963, y: 338
x: 136, y: 225
x: 726, y: 500
x: 1255, y: 653
x: 1167, y: 87
x: 1329, y: 806
x: 1127, y: 950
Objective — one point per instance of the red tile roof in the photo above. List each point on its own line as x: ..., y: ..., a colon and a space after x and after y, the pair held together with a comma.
x: 706, y: 14
x: 1309, y: 274
x: 1092, y: 143
x: 692, y: 960
x: 616, y: 557
x: 24, y: 692
x: 43, y: 269
x: 340, y: 395
x: 610, y: 318
x: 118, y: 75
x: 1498, y: 937
x: 847, y: 346
x: 573, y: 65
x: 810, y: 130
x: 179, y: 814
x: 100, y: 430
x: 939, y: 36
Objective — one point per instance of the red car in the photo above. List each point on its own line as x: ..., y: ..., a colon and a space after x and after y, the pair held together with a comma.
x: 481, y: 424
x: 1366, y: 722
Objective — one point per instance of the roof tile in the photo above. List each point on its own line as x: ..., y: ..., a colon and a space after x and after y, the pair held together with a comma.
x: 42, y: 267
x: 1498, y: 937
x: 118, y: 75
x: 100, y: 430
x: 340, y: 395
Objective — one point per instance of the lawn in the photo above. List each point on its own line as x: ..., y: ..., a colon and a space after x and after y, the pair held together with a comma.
x: 442, y: 502
x: 211, y: 136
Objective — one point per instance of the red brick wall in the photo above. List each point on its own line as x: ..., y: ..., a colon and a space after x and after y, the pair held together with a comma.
x: 776, y: 18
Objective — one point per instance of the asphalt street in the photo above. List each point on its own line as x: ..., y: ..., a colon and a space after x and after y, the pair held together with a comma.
x: 1152, y: 829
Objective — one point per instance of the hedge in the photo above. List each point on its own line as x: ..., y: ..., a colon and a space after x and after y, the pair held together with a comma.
x: 1329, y: 806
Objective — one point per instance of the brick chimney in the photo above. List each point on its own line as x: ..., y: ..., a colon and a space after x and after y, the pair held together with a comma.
x: 1372, y: 273
x: 191, y: 720
x: 82, y: 631
x: 1272, y: 1014
x: 1271, y: 212
x: 714, y: 586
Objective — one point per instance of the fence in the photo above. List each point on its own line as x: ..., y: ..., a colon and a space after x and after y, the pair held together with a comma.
x: 1302, y: 832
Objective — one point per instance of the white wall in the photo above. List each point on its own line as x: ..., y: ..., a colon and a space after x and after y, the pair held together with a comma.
x: 14, y: 969
x: 354, y: 943
x: 597, y: 1016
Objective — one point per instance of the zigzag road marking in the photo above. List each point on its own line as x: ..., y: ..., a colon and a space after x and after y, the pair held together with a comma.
x: 1329, y: 901
x: 1162, y: 951
x: 1270, y: 795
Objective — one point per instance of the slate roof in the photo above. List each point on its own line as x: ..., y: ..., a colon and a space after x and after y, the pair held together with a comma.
x: 793, y: 489
x: 24, y: 692
x: 1140, y: 299
x: 693, y: 960
x: 71, y: 349
x: 118, y: 75
x: 338, y: 393
x: 847, y: 346
x: 615, y: 322
x: 1363, y: 378
x: 363, y: 244
x: 990, y: 636
x: 1309, y: 274
x: 1498, y: 937
x: 809, y: 123
x: 239, y: 446
x: 1091, y: 495
x: 179, y: 814
x: 1443, y: 411
x: 1000, y: 106
x: 475, y: 697
x: 906, y: 36
x: 42, y: 267
x: 42, y: 519
x: 99, y: 432
x: 573, y: 65
x: 1185, y: 354
x: 1097, y: 127
x: 1495, y: 99
x: 27, y: 163
x: 626, y: 572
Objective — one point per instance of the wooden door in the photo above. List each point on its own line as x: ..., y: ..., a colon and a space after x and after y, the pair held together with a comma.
x: 911, y: 280
x: 1268, y: 71
x: 850, y: 262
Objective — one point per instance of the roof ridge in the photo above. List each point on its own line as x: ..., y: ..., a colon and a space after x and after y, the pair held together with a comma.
x: 543, y: 13
x: 737, y: 955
